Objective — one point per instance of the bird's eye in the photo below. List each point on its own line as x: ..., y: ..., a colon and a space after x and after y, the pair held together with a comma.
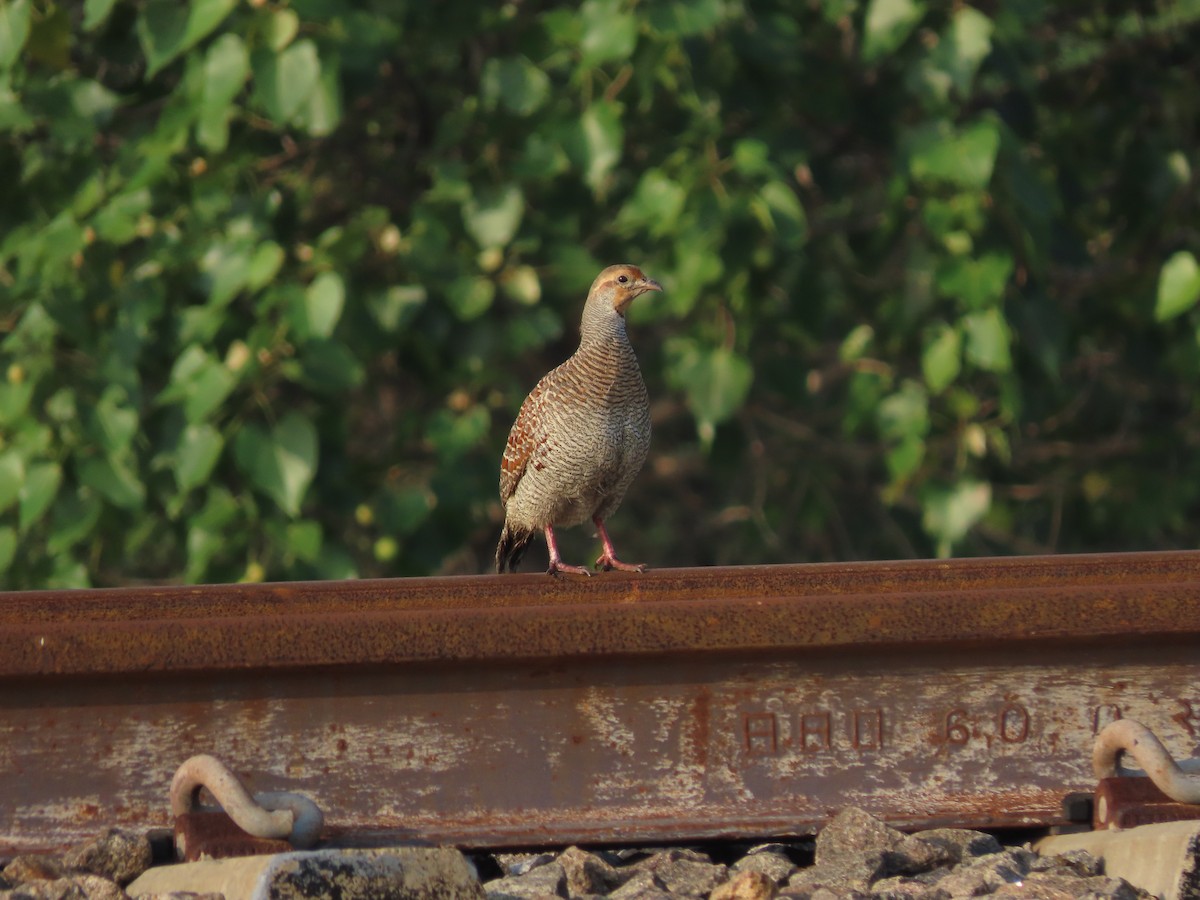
x: 622, y: 278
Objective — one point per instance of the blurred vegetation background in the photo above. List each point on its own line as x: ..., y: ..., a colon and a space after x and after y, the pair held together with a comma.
x: 275, y: 276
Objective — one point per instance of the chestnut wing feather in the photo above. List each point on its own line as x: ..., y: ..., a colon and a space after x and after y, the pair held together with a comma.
x: 526, y: 434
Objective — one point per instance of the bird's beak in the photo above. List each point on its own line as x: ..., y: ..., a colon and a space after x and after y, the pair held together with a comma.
x: 650, y: 284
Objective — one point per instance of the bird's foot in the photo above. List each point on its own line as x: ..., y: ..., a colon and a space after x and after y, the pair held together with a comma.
x: 557, y: 567
x: 607, y: 562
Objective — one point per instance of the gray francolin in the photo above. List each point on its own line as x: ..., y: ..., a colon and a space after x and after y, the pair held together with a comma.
x: 582, y: 434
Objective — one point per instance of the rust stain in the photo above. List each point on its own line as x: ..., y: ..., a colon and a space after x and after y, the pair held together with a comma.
x: 528, y: 616
x: 679, y: 704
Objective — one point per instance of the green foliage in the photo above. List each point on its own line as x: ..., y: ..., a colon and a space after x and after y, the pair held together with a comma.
x: 1178, y: 286
x: 274, y: 278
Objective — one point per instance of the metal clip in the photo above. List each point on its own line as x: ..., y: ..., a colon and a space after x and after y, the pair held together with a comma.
x: 273, y: 816
x: 1166, y: 794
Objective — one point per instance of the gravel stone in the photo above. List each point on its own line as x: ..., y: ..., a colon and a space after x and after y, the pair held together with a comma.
x: 902, y: 887
x: 641, y: 886
x: 856, y: 857
x: 748, y: 885
x: 28, y: 867
x: 688, y: 874
x: 588, y: 874
x: 960, y: 843
x: 117, y: 854
x: 775, y: 866
x: 842, y: 880
x: 1047, y: 886
x: 987, y: 874
x: 878, y: 847
x: 1073, y: 862
x: 74, y: 887
x: 856, y: 839
x: 520, y: 863
x: 821, y: 892
x: 547, y: 880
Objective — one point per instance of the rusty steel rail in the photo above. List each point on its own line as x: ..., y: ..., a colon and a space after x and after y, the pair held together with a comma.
x: 673, y: 705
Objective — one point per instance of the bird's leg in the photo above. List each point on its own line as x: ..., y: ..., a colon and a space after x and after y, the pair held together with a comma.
x: 556, y: 563
x: 608, y: 559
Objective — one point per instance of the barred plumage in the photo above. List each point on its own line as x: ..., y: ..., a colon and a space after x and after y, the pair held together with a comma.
x: 582, y: 434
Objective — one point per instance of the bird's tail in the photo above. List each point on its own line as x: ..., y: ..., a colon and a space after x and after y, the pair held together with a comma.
x: 511, y: 548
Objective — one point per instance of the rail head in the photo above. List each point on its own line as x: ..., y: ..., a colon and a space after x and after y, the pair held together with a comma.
x: 1150, y: 596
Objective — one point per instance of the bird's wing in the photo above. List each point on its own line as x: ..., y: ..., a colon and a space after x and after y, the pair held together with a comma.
x: 526, y: 436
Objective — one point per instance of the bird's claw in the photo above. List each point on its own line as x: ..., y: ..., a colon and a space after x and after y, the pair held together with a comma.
x: 607, y: 563
x: 557, y: 568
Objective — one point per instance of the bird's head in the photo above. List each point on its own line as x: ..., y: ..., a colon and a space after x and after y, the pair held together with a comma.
x: 618, y: 286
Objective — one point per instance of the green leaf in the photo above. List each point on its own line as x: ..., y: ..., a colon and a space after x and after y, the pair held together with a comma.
x: 1178, y: 286
x: 330, y: 367
x: 937, y: 153
x: 514, y: 83
x: 96, y: 12
x: 14, y: 30
x: 856, y: 344
x: 686, y: 19
x: 654, y: 207
x: 976, y: 283
x: 49, y: 41
x: 62, y: 238
x: 782, y: 213
x: 117, y: 221
x: 887, y: 24
x: 905, y: 414
x: 42, y: 481
x: 454, y: 434
x: 264, y: 265
x: 322, y: 112
x: 14, y: 401
x: 281, y: 463
x: 522, y: 284
x: 988, y: 339
x: 323, y: 303
x: 397, y: 306
x: 116, y: 421
x: 209, y: 531
x: 200, y: 447
x: 715, y: 381
x: 285, y: 82
x: 609, y: 32
x: 12, y: 475
x: 228, y: 266
x: 964, y: 47
x: 168, y: 28
x: 595, y: 144
x: 114, y: 480
x: 903, y: 460
x: 941, y: 360
x: 198, y: 380
x: 402, y: 510
x: 949, y: 513
x: 492, y: 217
x: 281, y: 27
x: 751, y: 157
x: 14, y: 118
x: 470, y: 297
x: 226, y: 68
x: 304, y: 540
x: 74, y: 518
x: 8, y: 548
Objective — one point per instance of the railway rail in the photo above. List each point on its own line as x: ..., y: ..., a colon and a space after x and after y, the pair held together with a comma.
x: 684, y: 704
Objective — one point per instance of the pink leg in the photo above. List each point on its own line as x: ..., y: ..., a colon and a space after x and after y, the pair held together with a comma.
x: 556, y: 563
x: 608, y: 559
